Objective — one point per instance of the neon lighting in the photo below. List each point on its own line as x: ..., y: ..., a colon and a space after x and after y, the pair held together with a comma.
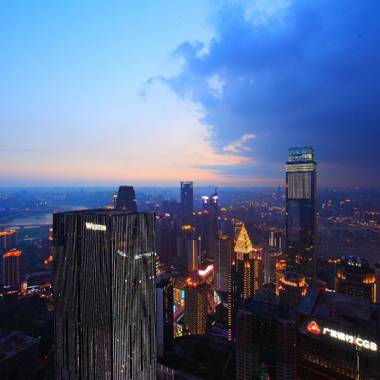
x: 354, y: 340
x: 205, y: 272
x: 313, y: 328
x: 96, y: 227
x: 13, y: 253
x: 357, y: 341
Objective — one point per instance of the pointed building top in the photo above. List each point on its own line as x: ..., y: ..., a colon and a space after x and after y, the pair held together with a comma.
x: 243, y: 242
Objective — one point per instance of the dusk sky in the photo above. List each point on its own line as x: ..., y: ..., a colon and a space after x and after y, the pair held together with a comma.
x: 154, y: 92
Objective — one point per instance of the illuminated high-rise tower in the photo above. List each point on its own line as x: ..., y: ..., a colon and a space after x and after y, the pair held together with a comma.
x: 104, y: 293
x: 210, y: 211
x: 187, y: 202
x: 247, y: 266
x: 196, y: 305
x: 223, y: 262
x: 188, y: 249
x: 12, y: 268
x: 8, y: 239
x: 301, y: 187
x: 246, y: 275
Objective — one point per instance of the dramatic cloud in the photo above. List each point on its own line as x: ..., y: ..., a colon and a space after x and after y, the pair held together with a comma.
x: 240, y: 146
x: 291, y: 73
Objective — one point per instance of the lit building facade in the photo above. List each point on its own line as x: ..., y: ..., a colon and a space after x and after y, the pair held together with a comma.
x: 12, y: 269
x: 292, y: 287
x: 246, y: 275
x: 337, y: 338
x: 280, y: 272
x: 301, y: 188
x: 247, y: 266
x: 196, y: 306
x: 377, y: 285
x: 356, y: 278
x: 223, y: 262
x: 8, y: 240
x: 187, y: 203
x: 275, y: 239
x: 271, y: 257
x: 105, y: 295
x: 188, y: 249
x: 210, y: 211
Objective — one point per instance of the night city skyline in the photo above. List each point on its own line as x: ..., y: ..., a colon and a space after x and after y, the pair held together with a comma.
x: 190, y: 190
x: 217, y: 95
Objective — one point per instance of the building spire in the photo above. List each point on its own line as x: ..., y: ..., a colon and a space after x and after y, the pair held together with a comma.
x: 243, y: 243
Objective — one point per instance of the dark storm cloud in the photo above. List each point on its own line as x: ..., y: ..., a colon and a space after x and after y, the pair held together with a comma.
x: 308, y: 76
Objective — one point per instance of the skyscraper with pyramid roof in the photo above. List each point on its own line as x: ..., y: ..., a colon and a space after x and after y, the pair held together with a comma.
x: 246, y: 275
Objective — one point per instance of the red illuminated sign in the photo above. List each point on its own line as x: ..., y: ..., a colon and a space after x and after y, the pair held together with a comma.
x: 313, y: 328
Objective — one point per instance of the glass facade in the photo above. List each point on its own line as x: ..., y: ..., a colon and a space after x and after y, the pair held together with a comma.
x: 301, y: 183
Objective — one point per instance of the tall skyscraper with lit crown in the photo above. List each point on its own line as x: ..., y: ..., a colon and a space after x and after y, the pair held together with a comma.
x: 210, y: 211
x: 301, y: 188
x: 246, y: 275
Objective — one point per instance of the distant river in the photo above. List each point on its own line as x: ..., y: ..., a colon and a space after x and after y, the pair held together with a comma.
x: 36, y: 220
x: 41, y: 219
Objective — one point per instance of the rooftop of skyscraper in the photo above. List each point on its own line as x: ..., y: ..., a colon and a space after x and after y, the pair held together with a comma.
x: 355, y: 264
x: 13, y: 253
x: 243, y: 242
x: 343, y: 310
x: 8, y: 232
x: 12, y: 343
x: 264, y: 304
x: 99, y: 212
x: 301, y: 154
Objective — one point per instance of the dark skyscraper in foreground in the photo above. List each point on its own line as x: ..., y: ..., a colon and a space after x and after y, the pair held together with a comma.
x: 164, y: 294
x: 187, y: 200
x: 256, y: 341
x: 126, y: 199
x: 104, y: 291
x: 301, y: 185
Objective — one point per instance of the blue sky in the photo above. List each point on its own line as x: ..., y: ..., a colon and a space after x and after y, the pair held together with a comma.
x: 154, y: 92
